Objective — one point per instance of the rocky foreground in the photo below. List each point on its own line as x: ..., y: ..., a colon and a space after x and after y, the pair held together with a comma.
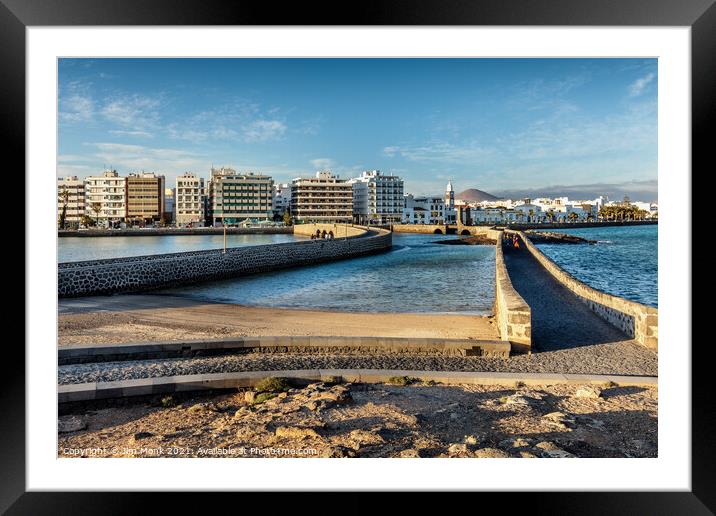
x: 408, y: 418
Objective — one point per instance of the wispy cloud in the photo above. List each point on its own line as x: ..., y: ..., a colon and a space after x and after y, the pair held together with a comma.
x: 441, y: 152
x: 264, y: 130
x: 139, y: 157
x: 139, y: 134
x: 639, y: 86
x: 76, y: 108
x: 323, y: 163
x: 132, y: 110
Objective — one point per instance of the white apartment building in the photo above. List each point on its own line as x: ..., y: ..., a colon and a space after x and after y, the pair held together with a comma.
x: 281, y: 199
x: 106, y: 198
x: 377, y: 198
x: 423, y: 210
x: 190, y: 199
x: 323, y: 198
x: 71, y: 199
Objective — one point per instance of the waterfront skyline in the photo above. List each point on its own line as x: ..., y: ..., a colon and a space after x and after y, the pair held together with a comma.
x: 512, y: 127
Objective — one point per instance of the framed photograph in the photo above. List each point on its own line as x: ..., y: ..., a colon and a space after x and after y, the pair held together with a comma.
x: 402, y: 251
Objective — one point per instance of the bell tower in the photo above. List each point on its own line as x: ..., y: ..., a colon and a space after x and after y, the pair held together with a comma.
x: 449, y: 196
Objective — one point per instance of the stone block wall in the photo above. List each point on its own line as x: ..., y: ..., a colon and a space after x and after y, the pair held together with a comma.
x: 135, y: 274
x: 418, y: 228
x: 513, y: 314
x: 641, y: 322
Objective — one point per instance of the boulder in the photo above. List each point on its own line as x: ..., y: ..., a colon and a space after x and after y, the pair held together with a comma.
x: 71, y: 424
x: 296, y: 432
x: 588, y: 391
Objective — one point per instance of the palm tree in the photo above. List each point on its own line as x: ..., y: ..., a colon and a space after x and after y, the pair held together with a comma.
x: 96, y: 208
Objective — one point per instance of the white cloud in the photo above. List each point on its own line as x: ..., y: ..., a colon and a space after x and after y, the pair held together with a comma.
x: 131, y: 111
x: 263, y: 130
x: 129, y: 158
x: 637, y: 87
x: 140, y: 134
x: 76, y: 108
x: 441, y: 152
x: 323, y: 163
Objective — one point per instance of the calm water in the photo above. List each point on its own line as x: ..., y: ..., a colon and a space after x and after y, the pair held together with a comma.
x: 624, y: 262
x: 416, y: 276
x: 73, y: 249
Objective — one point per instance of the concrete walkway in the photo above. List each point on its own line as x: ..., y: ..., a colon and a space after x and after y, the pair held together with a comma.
x: 559, y: 319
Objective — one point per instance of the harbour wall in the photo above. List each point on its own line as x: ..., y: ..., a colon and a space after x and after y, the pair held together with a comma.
x: 641, y: 322
x: 512, y: 314
x: 141, y: 273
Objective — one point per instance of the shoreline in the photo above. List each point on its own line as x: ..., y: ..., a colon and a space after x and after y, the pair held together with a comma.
x: 131, y: 318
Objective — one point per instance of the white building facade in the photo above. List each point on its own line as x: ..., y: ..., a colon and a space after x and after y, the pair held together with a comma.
x: 281, y: 199
x: 71, y: 199
x: 106, y: 198
x: 423, y: 210
x: 189, y: 200
x: 377, y: 198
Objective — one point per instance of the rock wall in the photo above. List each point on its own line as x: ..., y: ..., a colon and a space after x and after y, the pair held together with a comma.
x: 641, y: 322
x: 512, y: 313
x: 135, y: 274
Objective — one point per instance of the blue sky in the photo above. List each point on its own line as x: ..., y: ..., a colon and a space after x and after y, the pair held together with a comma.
x: 518, y: 126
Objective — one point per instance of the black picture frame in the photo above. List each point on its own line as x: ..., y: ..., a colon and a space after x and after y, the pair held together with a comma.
x: 700, y: 15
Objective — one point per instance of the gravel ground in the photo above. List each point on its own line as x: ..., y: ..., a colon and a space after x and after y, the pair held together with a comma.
x: 355, y: 420
x: 620, y: 358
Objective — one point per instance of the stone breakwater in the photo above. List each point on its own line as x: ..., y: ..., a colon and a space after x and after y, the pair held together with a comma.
x: 639, y: 321
x: 141, y: 273
x: 513, y: 314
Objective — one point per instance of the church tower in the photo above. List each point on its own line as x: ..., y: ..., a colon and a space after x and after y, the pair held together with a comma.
x: 449, y: 196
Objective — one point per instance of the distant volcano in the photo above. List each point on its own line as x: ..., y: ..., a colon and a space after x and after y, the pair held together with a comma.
x: 475, y: 195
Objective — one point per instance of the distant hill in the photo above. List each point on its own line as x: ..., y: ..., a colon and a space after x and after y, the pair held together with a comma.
x: 475, y: 195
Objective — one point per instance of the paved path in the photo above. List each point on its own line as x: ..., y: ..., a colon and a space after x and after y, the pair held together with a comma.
x: 559, y: 319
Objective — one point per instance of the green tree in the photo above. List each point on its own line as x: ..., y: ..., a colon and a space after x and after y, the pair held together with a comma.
x: 287, y: 218
x: 96, y: 208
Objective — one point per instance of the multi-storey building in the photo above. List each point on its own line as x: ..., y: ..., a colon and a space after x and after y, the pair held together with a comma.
x: 377, y: 198
x: 169, y: 205
x: 106, y: 198
x: 71, y: 200
x: 423, y: 210
x: 324, y: 198
x: 281, y: 199
x: 190, y: 200
x: 233, y: 197
x: 145, y: 198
